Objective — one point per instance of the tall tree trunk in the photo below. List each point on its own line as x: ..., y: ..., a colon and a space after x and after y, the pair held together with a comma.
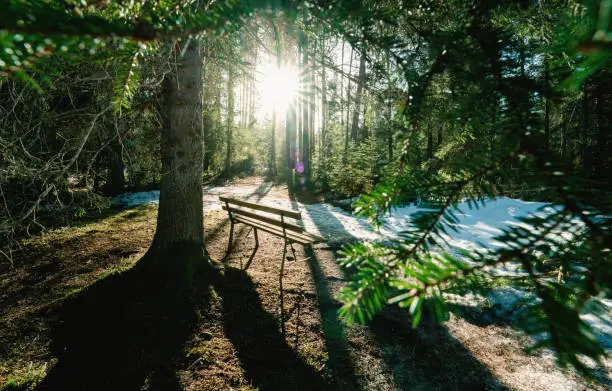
x: 323, y: 101
x: 602, y: 151
x: 390, y: 141
x: 218, y: 126
x: 208, y: 120
x: 342, y: 86
x: 358, y: 96
x: 272, y: 161
x: 564, y: 127
x: 584, y: 134
x: 252, y: 93
x: 305, y: 122
x: 348, y: 108
x: 312, y: 106
x: 547, y: 107
x: 290, y: 140
x: 230, y: 119
x: 180, y: 217
x: 116, y: 178
x: 429, y: 153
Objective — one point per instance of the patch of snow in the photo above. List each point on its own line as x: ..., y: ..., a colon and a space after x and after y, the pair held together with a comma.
x: 506, y: 300
x: 602, y: 324
x: 139, y: 198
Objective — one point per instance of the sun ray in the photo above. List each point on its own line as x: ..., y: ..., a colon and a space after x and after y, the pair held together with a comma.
x: 277, y: 87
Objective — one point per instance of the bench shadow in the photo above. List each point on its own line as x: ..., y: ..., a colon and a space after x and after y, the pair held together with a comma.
x: 426, y: 358
x: 268, y: 361
x: 334, y: 330
x: 128, y: 330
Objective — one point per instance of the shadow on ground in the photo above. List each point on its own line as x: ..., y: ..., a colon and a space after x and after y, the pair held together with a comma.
x: 127, y: 331
x: 428, y: 358
x: 334, y: 330
x: 268, y: 361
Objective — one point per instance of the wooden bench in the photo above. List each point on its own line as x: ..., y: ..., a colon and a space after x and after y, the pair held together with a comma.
x: 286, y: 226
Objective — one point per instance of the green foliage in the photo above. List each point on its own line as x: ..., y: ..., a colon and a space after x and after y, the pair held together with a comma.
x: 357, y: 174
x: 477, y: 125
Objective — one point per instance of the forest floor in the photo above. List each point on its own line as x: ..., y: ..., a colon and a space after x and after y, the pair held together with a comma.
x: 247, y: 335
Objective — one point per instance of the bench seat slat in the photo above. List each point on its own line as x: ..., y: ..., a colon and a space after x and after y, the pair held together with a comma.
x: 264, y: 208
x: 299, y: 238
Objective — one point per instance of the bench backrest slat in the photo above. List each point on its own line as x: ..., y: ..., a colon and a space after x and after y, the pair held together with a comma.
x: 269, y: 220
x: 264, y: 208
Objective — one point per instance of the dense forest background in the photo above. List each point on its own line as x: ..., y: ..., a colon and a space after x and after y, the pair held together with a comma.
x: 460, y: 76
x: 439, y: 101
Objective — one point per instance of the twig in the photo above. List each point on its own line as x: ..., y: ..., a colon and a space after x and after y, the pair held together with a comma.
x: 65, y: 168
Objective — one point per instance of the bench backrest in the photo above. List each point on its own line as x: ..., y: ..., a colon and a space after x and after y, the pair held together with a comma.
x: 246, y: 212
x: 264, y: 208
x: 247, y: 209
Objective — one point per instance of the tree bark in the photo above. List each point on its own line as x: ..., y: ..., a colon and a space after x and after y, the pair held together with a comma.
x: 584, y: 134
x: 358, y: 96
x: 429, y: 153
x: 290, y: 140
x: 272, y: 162
x: 208, y: 112
x: 116, y: 178
x: 230, y: 120
x: 342, y: 87
x: 180, y: 217
x: 547, y: 107
x: 323, y: 102
x: 305, y: 123
x: 348, y: 108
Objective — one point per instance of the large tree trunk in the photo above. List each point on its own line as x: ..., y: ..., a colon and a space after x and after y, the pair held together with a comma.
x: 305, y: 122
x: 348, y: 108
x: 230, y: 119
x: 208, y: 121
x: 180, y: 216
x: 290, y: 140
x: 116, y: 168
x: 323, y: 150
x: 585, y: 152
x: 358, y: 96
x: 547, y: 107
x: 342, y: 87
x: 429, y: 152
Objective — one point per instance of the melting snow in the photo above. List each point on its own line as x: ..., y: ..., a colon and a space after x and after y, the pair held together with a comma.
x: 476, y: 227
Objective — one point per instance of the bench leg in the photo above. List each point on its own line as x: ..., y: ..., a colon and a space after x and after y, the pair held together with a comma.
x: 254, y: 250
x: 282, y: 268
x: 281, y: 291
x: 229, y: 243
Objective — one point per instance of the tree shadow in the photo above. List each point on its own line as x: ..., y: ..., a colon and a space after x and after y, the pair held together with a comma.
x: 334, y: 333
x: 428, y: 358
x: 269, y: 363
x: 127, y: 331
